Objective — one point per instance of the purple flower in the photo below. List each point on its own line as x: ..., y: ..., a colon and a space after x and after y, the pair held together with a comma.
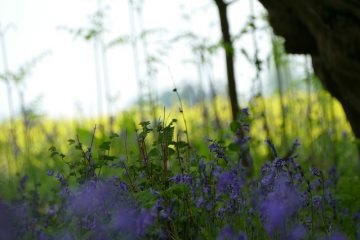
x: 42, y: 236
x: 333, y: 176
x: 52, y: 210
x: 132, y: 222
x: 225, y: 180
x: 98, y: 197
x: 66, y: 236
x: 245, y: 111
x: 23, y: 182
x: 8, y: 228
x: 14, y: 221
x: 279, y: 205
x: 229, y: 183
x: 298, y: 177
x: 217, y: 149
x: 315, y: 184
x: 164, y: 214
x: 272, y: 147
x: 88, y: 222
x: 220, y: 213
x: 298, y: 233
x: 268, y: 180
x: 182, y: 178
x: 356, y: 216
x: 59, y: 177
x: 202, y: 166
x: 317, y: 201
x: 200, y: 202
x: 123, y: 186
x: 315, y: 172
x: 206, y: 190
x: 50, y: 172
x: 210, y: 205
x: 227, y: 233
x: 278, y: 163
x: 244, y: 139
x: 158, y: 205
x: 246, y: 127
x: 336, y: 236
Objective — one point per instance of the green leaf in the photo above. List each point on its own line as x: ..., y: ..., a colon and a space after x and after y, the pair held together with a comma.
x: 193, y: 169
x: 181, y: 144
x: 234, y: 126
x: 109, y: 158
x: 166, y: 135
x: 119, y: 41
x: 52, y: 149
x: 176, y: 190
x: 71, y: 141
x: 154, y: 153
x: 146, y: 198
x: 78, y: 147
x: 54, y: 153
x: 234, y: 147
x: 114, y: 135
x: 171, y: 151
x: 105, y: 145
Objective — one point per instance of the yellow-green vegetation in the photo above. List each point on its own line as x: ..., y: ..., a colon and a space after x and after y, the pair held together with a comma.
x: 320, y: 125
x: 155, y: 170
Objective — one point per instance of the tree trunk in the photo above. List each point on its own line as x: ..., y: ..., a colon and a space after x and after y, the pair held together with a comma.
x: 330, y: 32
x: 229, y: 54
x: 244, y: 155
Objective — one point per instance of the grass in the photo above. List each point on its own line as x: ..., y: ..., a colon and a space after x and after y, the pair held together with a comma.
x: 149, y: 181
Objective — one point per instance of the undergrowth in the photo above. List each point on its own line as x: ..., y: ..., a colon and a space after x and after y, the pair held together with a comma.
x: 163, y: 187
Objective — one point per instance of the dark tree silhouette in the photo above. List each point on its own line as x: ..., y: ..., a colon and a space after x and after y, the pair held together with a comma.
x: 229, y: 54
x: 227, y: 44
x: 330, y: 32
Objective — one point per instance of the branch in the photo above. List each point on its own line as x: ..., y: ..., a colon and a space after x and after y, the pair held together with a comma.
x: 231, y: 2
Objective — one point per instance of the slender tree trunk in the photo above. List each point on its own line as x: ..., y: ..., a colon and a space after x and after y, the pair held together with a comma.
x: 257, y: 64
x: 205, y: 114
x: 213, y: 95
x: 104, y: 65
x: 135, y: 52
x: 229, y: 54
x: 98, y: 78
x: 277, y: 54
x: 13, y: 136
x: 150, y: 73
x: 244, y: 155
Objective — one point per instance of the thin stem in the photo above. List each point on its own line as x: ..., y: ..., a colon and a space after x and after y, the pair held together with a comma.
x: 277, y: 60
x: 134, y: 46
x: 98, y: 77
x: 257, y: 63
x: 126, y: 168
x: 181, y: 108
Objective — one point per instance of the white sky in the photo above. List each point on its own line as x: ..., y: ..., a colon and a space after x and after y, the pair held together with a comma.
x: 66, y: 78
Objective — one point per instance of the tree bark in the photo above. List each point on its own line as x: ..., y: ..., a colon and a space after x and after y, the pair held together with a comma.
x: 330, y: 32
x: 229, y: 55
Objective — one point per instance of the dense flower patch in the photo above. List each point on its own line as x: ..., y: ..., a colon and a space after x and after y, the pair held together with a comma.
x: 168, y: 191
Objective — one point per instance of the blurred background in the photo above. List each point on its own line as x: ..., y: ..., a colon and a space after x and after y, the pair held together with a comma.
x: 82, y: 56
x: 68, y: 65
